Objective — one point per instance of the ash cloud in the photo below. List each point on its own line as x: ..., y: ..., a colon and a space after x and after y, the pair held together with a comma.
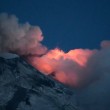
x: 75, y: 68
x: 22, y: 39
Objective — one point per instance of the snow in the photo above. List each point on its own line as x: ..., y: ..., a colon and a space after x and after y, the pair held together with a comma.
x: 24, y: 88
x: 8, y: 55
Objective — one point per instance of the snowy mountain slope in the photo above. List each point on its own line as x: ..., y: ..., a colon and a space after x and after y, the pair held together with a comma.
x: 24, y: 88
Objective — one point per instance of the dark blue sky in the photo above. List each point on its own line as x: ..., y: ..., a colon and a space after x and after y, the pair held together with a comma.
x: 66, y: 24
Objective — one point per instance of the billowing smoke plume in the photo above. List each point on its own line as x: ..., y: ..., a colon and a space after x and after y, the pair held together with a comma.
x: 19, y: 38
x: 76, y: 68
x: 68, y: 68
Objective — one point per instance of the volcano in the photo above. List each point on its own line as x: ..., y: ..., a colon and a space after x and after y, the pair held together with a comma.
x: 22, y: 87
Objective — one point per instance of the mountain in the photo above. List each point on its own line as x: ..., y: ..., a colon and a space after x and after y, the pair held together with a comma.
x: 22, y: 87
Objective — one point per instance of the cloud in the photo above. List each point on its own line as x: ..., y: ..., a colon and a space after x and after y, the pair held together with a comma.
x: 19, y: 38
x: 105, y: 44
x: 76, y: 68
x: 68, y: 68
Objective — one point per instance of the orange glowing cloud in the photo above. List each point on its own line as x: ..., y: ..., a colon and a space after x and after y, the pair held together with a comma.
x: 66, y: 67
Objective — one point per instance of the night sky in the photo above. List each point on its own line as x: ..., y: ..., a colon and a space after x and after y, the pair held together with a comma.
x: 66, y: 24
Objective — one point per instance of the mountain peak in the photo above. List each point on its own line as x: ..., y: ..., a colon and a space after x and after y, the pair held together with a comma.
x: 25, y: 88
x: 8, y: 55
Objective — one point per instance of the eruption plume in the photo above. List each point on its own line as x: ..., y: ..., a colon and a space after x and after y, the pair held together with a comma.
x: 75, y: 68
x: 22, y: 39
